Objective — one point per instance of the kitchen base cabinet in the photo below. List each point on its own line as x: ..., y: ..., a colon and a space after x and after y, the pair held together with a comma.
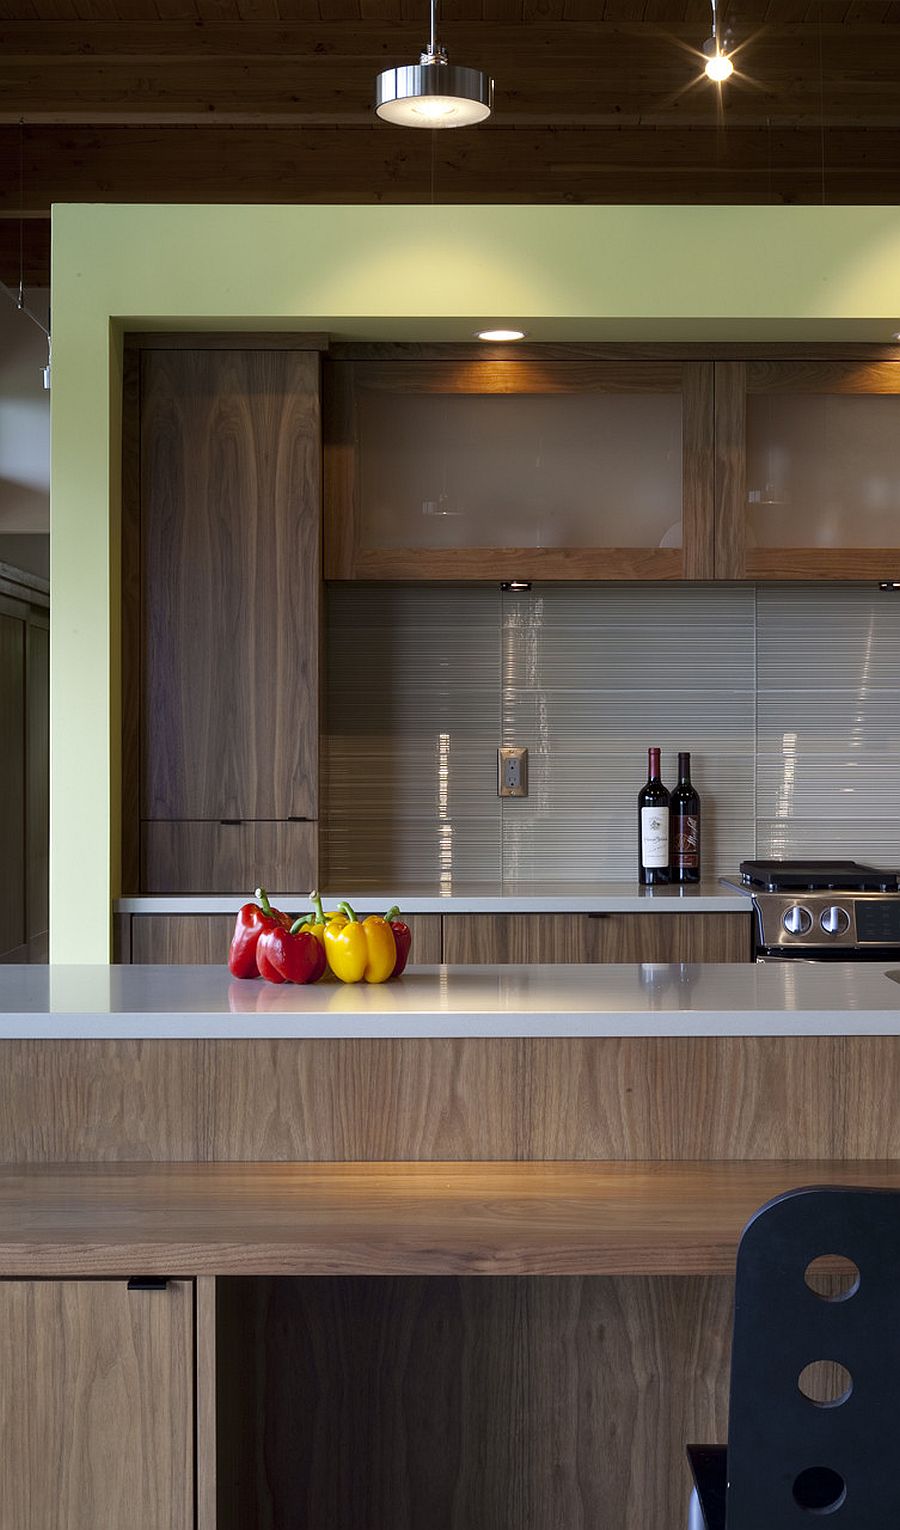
x: 96, y: 1406
x: 203, y: 939
x: 523, y: 938
x: 507, y: 1403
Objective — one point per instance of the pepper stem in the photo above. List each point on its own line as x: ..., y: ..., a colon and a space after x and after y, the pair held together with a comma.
x: 392, y: 913
x: 299, y: 923
x: 315, y: 899
x: 346, y: 909
x: 263, y: 899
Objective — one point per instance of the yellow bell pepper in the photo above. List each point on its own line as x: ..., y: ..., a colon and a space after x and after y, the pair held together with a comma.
x: 359, y: 949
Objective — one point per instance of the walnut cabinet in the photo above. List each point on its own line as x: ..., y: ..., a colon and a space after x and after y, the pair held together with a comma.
x: 24, y: 765
x: 97, y: 1405
x: 540, y: 469
x: 808, y: 469
x: 465, y: 938
x: 221, y: 581
x: 633, y: 468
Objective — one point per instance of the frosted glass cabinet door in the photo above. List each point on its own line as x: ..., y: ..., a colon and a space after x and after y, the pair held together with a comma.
x: 809, y: 469
x: 518, y: 469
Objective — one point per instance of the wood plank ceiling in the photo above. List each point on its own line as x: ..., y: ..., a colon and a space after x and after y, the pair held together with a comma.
x: 597, y: 101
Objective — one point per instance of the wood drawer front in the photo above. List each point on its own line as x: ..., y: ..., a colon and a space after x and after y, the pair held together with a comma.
x: 203, y: 939
x: 523, y: 938
x: 96, y: 1406
x: 210, y: 857
x: 194, y: 939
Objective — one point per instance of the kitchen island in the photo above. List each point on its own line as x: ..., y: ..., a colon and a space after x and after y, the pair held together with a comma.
x: 324, y: 1177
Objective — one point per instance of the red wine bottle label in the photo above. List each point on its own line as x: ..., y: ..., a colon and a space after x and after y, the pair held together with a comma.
x: 654, y: 836
x: 686, y: 840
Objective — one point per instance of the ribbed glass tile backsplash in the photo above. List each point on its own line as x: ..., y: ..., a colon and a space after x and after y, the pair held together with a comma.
x: 787, y: 698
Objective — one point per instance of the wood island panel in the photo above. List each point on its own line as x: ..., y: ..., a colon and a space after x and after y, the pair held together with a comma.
x: 667, y: 1098
x: 96, y: 1406
x: 395, y: 1219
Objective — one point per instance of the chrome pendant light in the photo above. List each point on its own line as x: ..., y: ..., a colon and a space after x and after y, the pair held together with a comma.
x: 433, y: 93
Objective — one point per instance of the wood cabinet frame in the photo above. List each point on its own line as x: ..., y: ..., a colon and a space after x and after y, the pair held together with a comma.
x: 735, y: 382
x: 345, y: 558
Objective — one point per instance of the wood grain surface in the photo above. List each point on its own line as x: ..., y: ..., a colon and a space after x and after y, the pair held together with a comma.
x: 96, y: 1406
x: 395, y: 1219
x: 698, y: 504
x: 13, y: 931
x: 206, y: 1400
x: 731, y: 469
x: 37, y: 776
x: 523, y: 938
x: 198, y: 857
x: 504, y: 1404
x: 203, y: 939
x: 666, y: 1098
x: 230, y: 516
x: 346, y: 556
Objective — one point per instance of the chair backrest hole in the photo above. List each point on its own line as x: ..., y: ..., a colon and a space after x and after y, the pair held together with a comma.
x: 826, y: 1383
x: 833, y: 1277
x: 819, y: 1490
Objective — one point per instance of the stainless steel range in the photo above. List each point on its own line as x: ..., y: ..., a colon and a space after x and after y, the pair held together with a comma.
x: 822, y: 910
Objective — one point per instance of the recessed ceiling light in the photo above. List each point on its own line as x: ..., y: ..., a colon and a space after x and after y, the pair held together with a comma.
x: 501, y: 334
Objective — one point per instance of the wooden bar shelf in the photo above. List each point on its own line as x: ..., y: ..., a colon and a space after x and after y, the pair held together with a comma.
x: 538, y: 1218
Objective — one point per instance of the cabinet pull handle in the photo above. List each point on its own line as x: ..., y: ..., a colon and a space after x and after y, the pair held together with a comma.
x: 148, y: 1283
x: 598, y: 916
x: 299, y: 818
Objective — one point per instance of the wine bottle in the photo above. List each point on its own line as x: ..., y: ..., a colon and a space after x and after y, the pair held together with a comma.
x: 653, y: 827
x: 684, y: 826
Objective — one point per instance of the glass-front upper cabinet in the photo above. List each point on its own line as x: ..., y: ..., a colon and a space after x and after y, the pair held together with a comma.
x: 808, y: 469
x: 518, y: 469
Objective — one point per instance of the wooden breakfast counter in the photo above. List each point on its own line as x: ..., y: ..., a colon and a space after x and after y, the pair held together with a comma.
x: 261, y: 1212
x: 493, y: 1219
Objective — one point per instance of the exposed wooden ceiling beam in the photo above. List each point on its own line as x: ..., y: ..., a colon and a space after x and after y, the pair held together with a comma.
x: 287, y: 165
x: 589, y: 76
x: 373, y: 39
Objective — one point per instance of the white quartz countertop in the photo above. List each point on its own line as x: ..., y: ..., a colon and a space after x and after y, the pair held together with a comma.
x: 475, y: 898
x: 787, y: 999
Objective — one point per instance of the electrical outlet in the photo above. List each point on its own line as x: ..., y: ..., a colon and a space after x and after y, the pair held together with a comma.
x: 512, y: 772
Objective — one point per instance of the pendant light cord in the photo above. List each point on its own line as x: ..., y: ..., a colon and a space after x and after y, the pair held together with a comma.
x: 432, y: 40
x: 18, y: 298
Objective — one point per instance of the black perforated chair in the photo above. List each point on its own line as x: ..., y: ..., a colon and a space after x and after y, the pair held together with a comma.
x: 791, y: 1460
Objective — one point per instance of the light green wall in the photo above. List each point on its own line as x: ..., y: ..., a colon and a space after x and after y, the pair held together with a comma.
x: 763, y: 273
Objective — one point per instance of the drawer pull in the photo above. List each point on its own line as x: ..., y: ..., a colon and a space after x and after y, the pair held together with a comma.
x: 147, y: 1283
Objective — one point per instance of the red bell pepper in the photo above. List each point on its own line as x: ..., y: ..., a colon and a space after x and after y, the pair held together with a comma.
x: 402, y: 940
x: 252, y: 922
x: 290, y: 956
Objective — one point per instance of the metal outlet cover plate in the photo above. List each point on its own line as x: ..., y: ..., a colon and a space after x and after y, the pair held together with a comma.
x: 512, y: 772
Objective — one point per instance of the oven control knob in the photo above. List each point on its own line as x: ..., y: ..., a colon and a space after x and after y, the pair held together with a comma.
x: 835, y: 920
x: 797, y: 920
